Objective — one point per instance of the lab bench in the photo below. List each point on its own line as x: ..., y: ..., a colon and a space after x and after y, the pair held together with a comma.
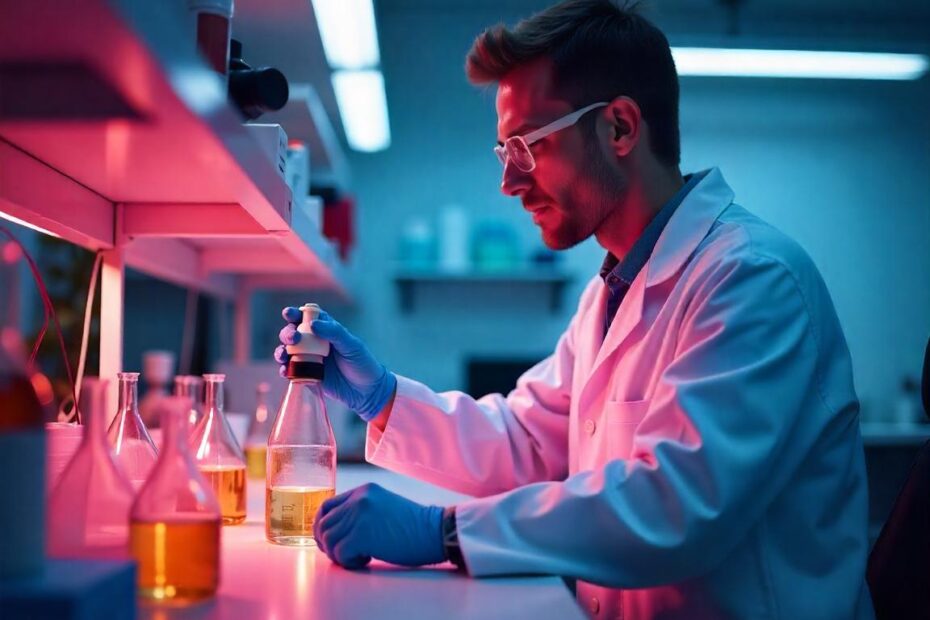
x: 260, y: 580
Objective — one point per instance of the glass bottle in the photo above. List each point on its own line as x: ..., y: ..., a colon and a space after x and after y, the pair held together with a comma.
x: 256, y: 442
x: 131, y: 444
x: 218, y: 455
x: 301, y: 460
x: 175, y: 521
x: 191, y: 387
x: 89, y: 507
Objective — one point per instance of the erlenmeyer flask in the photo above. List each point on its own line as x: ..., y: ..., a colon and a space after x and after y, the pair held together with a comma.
x: 89, y: 507
x: 191, y: 387
x: 132, y: 446
x: 256, y: 442
x: 218, y: 455
x: 175, y: 520
x: 301, y: 449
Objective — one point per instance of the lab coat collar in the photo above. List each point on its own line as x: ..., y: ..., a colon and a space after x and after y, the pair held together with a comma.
x: 689, y: 225
x: 684, y: 232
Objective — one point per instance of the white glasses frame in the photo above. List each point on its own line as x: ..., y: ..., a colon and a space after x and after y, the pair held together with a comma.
x: 523, y: 143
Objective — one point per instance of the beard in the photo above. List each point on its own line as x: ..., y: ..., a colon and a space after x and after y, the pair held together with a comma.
x: 589, y: 202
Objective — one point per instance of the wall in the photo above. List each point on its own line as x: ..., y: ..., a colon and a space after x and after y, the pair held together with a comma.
x: 840, y: 166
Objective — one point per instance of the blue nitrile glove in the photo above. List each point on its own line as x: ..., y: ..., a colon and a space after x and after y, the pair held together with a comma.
x: 371, y: 522
x: 351, y: 374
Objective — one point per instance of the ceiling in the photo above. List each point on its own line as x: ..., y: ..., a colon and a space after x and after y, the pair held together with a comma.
x: 283, y: 33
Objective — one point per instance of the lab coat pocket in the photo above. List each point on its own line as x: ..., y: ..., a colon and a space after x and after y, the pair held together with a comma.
x: 623, y: 417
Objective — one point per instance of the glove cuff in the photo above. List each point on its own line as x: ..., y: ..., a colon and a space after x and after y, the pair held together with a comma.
x: 386, y: 387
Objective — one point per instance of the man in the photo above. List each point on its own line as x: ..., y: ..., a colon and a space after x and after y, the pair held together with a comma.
x: 691, y: 448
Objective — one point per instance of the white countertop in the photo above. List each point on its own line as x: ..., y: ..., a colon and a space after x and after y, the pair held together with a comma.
x: 262, y: 581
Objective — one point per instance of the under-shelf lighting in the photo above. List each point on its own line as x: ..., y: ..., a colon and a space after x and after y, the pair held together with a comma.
x: 347, y: 28
x: 16, y: 220
x: 363, y: 106
x: 798, y: 64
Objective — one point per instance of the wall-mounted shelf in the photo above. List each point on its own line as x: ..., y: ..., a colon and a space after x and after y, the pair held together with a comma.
x: 116, y: 136
x: 407, y: 280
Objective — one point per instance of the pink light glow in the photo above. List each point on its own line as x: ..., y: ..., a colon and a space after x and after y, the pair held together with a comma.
x: 10, y: 253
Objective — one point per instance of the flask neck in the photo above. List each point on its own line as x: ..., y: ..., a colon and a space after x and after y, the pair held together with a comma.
x: 213, y: 396
x: 128, y: 396
x: 261, y: 409
x: 175, y: 433
x: 93, y: 411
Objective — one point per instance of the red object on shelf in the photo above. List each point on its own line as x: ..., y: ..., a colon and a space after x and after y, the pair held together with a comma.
x: 339, y: 223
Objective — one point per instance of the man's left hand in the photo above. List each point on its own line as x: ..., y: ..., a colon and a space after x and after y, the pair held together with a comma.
x: 371, y: 522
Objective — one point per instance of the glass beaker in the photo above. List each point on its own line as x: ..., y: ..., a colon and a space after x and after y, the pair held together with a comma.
x: 301, y: 465
x: 132, y: 446
x: 175, y: 520
x: 218, y: 455
x: 256, y: 442
x: 89, y: 507
x: 191, y: 387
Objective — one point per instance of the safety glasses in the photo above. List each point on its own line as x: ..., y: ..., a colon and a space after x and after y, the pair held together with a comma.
x: 517, y: 148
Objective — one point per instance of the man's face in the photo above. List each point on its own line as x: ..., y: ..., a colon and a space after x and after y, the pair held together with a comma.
x: 573, y: 187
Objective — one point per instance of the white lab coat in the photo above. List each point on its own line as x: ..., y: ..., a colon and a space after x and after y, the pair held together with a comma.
x: 702, y: 461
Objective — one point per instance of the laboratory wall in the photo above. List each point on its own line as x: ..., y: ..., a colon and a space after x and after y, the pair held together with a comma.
x: 840, y: 166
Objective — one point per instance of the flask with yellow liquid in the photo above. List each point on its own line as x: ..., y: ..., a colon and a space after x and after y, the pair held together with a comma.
x: 218, y: 455
x: 301, y: 461
x: 175, y: 520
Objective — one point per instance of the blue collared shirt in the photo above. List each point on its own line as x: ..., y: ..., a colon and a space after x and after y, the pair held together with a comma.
x: 618, y: 275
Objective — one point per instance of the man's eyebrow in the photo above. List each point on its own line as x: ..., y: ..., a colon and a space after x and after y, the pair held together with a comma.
x: 522, y: 130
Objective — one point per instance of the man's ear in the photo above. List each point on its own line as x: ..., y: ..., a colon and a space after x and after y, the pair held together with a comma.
x: 625, y: 120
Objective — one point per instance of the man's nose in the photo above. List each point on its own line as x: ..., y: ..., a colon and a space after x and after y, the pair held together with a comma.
x: 515, y: 182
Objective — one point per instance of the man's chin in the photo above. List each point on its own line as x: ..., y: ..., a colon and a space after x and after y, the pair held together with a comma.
x: 555, y: 241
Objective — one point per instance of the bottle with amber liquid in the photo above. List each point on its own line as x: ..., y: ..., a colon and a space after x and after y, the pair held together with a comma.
x: 175, y: 520
x: 218, y: 455
x: 256, y: 442
x: 301, y: 464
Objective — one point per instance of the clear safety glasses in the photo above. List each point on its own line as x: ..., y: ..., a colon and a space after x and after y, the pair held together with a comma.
x: 517, y: 148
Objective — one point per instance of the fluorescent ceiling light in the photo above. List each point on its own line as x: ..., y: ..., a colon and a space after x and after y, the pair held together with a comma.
x: 16, y: 220
x: 347, y: 28
x: 798, y: 64
x: 363, y: 107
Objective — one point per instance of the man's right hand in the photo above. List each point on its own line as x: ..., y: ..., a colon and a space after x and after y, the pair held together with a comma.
x: 351, y: 374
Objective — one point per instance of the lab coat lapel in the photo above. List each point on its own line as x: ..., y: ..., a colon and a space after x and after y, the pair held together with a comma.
x: 593, y: 325
x: 684, y: 232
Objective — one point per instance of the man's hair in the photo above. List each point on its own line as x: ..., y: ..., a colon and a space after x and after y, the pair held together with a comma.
x: 600, y: 51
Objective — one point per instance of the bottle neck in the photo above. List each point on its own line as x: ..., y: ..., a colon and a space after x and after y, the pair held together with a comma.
x: 313, y: 385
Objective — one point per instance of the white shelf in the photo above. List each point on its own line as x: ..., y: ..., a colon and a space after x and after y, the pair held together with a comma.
x: 115, y: 134
x: 555, y: 278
